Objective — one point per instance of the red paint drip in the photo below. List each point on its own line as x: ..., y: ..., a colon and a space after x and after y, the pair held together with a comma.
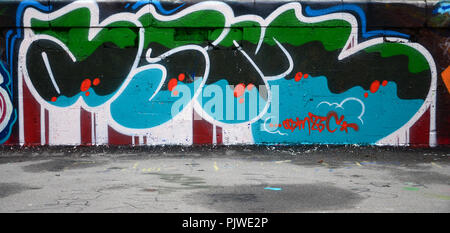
x: 384, y: 83
x: 54, y: 99
x: 306, y: 76
x: 250, y: 86
x: 87, y: 93
x: 374, y: 86
x: 239, y: 90
x: 172, y: 84
x: 298, y: 76
x: 175, y: 93
x: 31, y: 124
x: 241, y: 101
x: 181, y: 77
x: 202, y: 130
x: 419, y: 133
x: 366, y: 94
x: 116, y: 138
x: 85, y: 127
x: 85, y: 85
x: 96, y: 82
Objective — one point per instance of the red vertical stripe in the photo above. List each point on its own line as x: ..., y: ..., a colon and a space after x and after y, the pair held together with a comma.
x: 47, y: 127
x: 14, y: 137
x: 86, y: 127
x: 32, y: 118
x: 219, y: 135
x: 116, y: 138
x: 94, y: 140
x: 202, y: 131
x: 419, y: 133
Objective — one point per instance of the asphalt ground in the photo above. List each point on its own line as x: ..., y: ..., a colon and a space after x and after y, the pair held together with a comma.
x: 237, y: 179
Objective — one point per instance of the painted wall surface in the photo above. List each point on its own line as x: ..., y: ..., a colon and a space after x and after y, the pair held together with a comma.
x: 211, y: 72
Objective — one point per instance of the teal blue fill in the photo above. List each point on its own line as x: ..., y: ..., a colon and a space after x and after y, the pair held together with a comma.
x: 93, y: 100
x: 384, y: 113
x: 133, y: 108
x: 230, y: 110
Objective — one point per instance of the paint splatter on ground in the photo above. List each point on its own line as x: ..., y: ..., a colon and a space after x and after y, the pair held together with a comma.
x: 274, y: 189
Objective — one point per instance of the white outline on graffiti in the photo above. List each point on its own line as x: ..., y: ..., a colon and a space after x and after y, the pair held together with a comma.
x: 340, y: 105
x: 272, y: 132
x: 351, y: 47
x: 6, y: 108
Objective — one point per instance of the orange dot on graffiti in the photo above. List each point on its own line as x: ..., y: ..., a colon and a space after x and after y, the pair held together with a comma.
x: 175, y: 93
x: 384, y: 83
x: 366, y: 94
x: 271, y: 125
x: 446, y: 78
x: 85, y: 85
x: 96, y: 82
x: 241, y: 100
x: 172, y: 84
x: 181, y: 77
x: 374, y: 86
x: 279, y: 125
x: 239, y: 90
x: 250, y: 86
x: 306, y: 76
x: 54, y: 99
x: 87, y: 93
x: 298, y: 76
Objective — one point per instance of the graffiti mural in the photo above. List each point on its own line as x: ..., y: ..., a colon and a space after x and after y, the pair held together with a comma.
x: 161, y: 73
x: 7, y: 112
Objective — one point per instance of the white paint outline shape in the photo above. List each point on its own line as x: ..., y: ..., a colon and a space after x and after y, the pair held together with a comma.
x: 349, y: 48
x: 50, y: 72
x: 144, y: 131
x: 340, y: 105
x: 199, y: 109
x: 272, y: 132
x: 95, y: 27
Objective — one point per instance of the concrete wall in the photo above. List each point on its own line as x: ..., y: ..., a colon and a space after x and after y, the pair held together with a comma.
x: 237, y: 72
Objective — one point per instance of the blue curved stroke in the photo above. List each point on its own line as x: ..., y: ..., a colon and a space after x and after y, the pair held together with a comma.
x: 362, y: 16
x: 19, y: 13
x: 158, y: 6
x: 5, y: 134
x: 11, y: 37
x: 442, y: 8
x: 21, y: 8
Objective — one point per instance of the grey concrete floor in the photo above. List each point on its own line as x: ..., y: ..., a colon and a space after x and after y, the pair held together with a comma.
x: 225, y: 179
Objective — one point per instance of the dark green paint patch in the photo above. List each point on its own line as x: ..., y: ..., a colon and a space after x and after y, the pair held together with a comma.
x: 416, y: 61
x: 73, y: 29
x: 77, y: 18
x: 286, y: 28
x: 190, y: 29
x: 248, y: 30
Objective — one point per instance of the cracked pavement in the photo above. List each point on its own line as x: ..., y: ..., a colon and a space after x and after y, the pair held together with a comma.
x: 225, y: 179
